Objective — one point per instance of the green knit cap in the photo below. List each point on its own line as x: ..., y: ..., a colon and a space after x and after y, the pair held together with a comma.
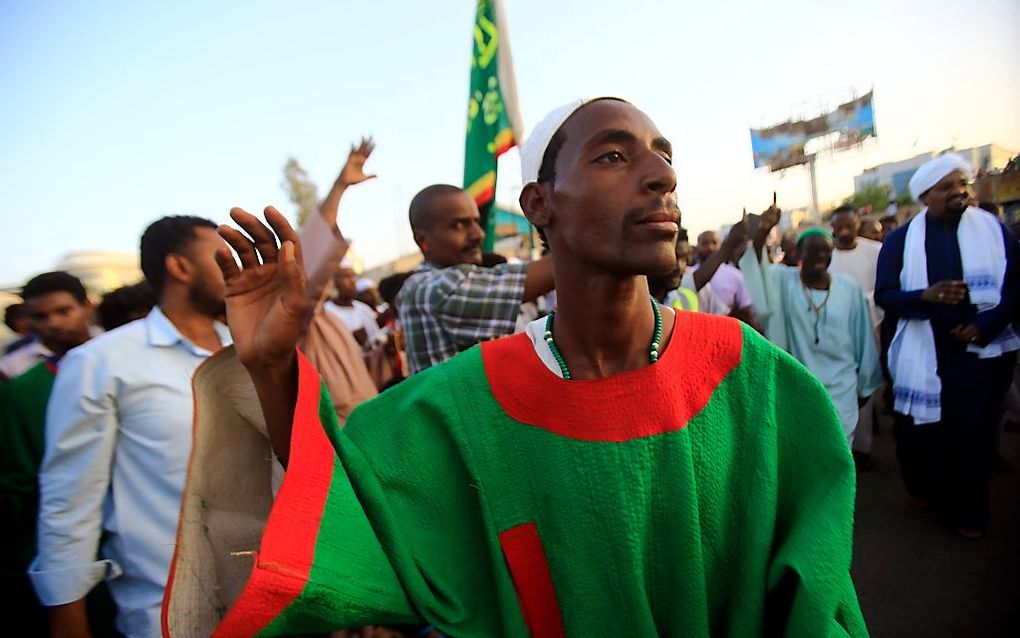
x: 820, y: 231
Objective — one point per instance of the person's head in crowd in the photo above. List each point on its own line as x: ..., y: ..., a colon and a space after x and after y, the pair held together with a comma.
x: 846, y: 223
x: 178, y: 255
x: 870, y: 229
x: 889, y: 223
x: 684, y: 250
x: 16, y: 318
x: 389, y: 286
x: 124, y: 305
x: 942, y: 185
x: 59, y: 310
x: 815, y: 246
x: 791, y: 254
x: 708, y: 245
x: 446, y: 226
x: 368, y: 293
x: 346, y: 283
x: 598, y: 177
x: 992, y: 208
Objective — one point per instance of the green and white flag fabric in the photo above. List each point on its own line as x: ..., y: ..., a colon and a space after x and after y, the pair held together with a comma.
x: 494, y: 120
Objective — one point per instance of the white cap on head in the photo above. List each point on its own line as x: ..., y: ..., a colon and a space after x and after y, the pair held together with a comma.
x: 932, y: 172
x: 533, y: 149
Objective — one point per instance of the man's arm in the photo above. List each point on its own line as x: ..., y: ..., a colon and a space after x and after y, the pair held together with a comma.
x: 323, y: 244
x: 909, y: 304
x: 736, y: 238
x: 539, y: 279
x: 74, y: 478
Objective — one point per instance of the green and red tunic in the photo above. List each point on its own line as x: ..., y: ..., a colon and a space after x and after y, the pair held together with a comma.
x: 708, y: 494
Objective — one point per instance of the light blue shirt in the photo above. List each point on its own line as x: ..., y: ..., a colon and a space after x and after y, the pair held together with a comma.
x: 118, y: 438
x: 837, y: 343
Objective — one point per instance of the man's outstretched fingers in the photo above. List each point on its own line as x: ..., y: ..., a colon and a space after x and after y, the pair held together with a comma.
x: 225, y: 260
x: 285, y: 232
x: 264, y: 239
x: 243, y: 246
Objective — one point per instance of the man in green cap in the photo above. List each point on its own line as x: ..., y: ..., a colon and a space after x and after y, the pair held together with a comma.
x: 819, y: 317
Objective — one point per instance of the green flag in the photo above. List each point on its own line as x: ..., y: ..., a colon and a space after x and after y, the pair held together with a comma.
x: 494, y: 121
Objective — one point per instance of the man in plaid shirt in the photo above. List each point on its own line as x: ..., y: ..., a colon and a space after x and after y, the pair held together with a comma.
x: 451, y: 302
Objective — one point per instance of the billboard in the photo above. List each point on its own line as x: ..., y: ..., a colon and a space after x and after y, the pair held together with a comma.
x: 782, y: 146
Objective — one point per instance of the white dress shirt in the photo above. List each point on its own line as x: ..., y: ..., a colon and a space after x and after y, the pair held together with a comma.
x: 118, y: 438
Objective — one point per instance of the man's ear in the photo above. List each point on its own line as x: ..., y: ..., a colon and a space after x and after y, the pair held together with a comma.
x: 421, y: 238
x: 179, y: 268
x: 536, y: 205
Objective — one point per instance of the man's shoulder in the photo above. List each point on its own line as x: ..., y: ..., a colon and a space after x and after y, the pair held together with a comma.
x: 117, y: 342
x: 868, y: 246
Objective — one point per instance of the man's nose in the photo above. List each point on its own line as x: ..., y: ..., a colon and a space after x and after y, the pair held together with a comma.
x: 661, y: 177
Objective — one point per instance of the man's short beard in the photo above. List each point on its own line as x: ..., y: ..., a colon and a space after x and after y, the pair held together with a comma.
x: 206, y: 304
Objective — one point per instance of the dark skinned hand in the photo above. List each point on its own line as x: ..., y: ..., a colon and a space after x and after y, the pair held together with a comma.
x: 949, y: 292
x: 353, y: 171
x: 770, y: 218
x: 966, y: 332
x: 266, y: 300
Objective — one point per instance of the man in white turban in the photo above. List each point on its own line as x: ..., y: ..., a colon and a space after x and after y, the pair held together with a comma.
x: 949, y: 283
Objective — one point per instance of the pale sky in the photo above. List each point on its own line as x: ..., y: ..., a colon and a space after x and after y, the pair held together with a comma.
x: 115, y: 113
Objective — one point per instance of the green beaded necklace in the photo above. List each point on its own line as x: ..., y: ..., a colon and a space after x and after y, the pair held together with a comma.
x: 653, y: 348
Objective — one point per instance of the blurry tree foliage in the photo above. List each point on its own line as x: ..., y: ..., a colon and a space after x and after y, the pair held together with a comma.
x: 300, y: 189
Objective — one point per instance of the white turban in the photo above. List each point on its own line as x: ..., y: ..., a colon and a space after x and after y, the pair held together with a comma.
x: 534, y: 147
x: 932, y: 172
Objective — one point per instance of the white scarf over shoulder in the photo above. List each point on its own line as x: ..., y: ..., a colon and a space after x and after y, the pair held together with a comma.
x: 912, y: 361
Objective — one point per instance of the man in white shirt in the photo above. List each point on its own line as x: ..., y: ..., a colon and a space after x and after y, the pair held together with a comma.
x: 857, y: 258
x: 359, y: 317
x: 118, y: 438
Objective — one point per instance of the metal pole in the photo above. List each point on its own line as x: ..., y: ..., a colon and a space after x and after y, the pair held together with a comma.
x: 815, y: 214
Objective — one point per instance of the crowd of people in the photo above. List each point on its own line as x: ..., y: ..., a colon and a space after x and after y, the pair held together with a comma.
x: 631, y: 431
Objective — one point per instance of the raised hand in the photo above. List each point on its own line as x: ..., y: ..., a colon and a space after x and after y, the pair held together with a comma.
x: 353, y: 171
x: 266, y: 301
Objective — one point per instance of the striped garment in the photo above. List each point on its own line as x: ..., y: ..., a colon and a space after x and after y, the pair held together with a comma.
x: 444, y: 311
x: 708, y: 494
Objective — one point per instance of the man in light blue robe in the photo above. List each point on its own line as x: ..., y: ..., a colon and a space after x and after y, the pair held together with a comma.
x: 819, y: 317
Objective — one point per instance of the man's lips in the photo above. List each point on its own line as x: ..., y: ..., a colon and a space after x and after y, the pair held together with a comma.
x: 662, y: 220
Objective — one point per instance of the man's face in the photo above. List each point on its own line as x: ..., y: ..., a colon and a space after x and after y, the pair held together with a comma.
x: 346, y: 281
x: 611, y: 204
x: 60, y: 320
x: 844, y: 229
x: 456, y: 235
x: 708, y: 244
x: 207, y: 288
x: 949, y: 196
x: 816, y: 255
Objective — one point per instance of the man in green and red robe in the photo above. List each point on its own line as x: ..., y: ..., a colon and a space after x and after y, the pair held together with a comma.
x: 616, y: 469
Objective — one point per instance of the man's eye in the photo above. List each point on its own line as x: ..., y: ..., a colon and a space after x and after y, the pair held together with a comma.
x: 612, y: 157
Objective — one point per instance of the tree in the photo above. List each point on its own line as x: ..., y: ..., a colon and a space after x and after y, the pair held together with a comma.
x: 300, y: 189
x: 874, y: 195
